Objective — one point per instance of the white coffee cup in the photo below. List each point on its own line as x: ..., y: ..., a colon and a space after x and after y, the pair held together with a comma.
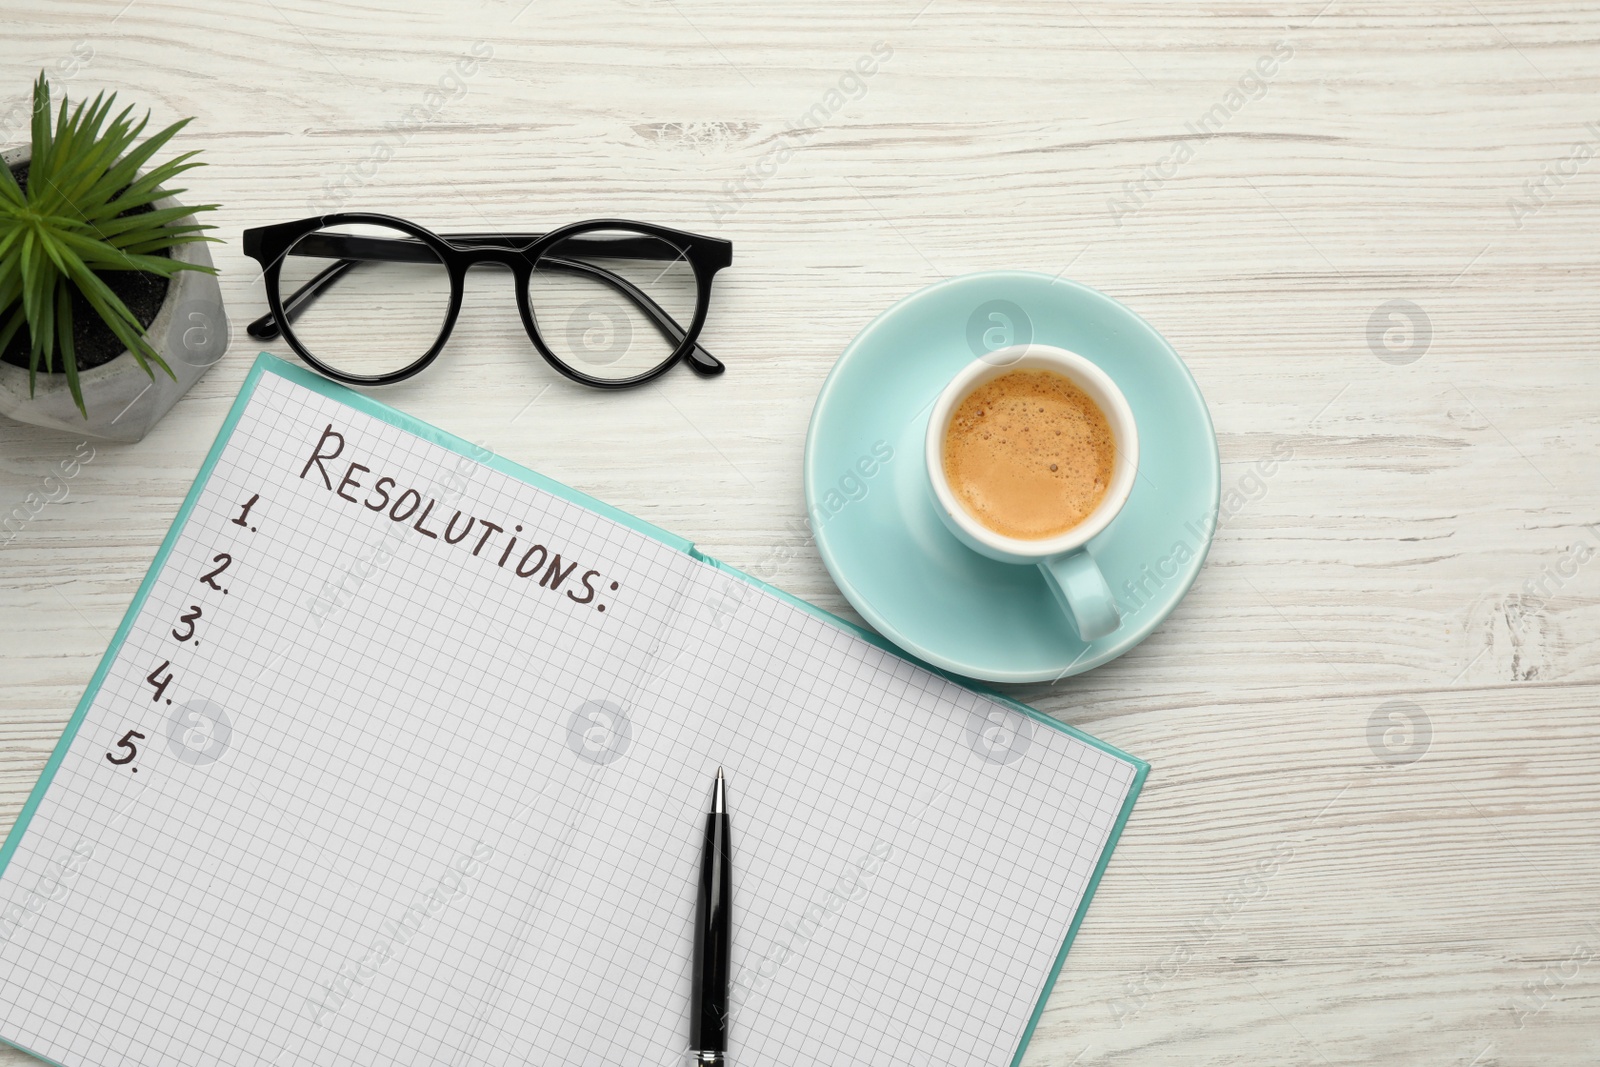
x: 1067, y: 565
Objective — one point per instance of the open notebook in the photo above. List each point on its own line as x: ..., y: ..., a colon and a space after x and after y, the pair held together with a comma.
x: 401, y: 756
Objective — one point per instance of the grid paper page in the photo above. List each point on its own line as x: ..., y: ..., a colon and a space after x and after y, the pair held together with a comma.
x: 404, y: 761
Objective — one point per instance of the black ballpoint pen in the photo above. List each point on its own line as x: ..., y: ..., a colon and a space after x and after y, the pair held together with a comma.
x: 713, y: 939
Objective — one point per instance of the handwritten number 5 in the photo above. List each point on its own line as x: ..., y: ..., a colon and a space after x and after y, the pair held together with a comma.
x: 210, y: 577
x: 127, y: 743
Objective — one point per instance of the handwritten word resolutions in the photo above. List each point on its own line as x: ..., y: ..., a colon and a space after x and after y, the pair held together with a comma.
x: 502, y: 544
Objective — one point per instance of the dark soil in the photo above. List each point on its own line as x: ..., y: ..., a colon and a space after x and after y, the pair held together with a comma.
x: 92, y: 340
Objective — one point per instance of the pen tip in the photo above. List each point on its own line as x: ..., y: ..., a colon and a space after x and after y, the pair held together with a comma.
x: 719, y: 772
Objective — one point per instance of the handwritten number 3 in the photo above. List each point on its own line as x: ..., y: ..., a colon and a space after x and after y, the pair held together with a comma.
x: 194, y: 613
x: 210, y: 578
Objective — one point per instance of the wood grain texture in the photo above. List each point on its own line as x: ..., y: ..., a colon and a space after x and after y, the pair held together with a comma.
x: 1370, y: 834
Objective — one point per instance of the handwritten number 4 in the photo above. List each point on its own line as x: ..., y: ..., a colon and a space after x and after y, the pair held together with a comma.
x: 160, y: 683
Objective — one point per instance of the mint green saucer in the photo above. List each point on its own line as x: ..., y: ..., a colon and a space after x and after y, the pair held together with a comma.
x: 874, y: 520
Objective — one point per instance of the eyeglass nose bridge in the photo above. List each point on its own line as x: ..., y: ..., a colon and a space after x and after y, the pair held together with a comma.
x: 517, y: 260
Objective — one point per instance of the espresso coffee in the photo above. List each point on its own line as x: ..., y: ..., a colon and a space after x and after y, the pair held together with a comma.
x: 1029, y: 454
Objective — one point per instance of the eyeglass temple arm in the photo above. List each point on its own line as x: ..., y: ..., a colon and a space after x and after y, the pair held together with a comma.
x: 266, y: 327
x: 701, y: 361
x: 394, y: 250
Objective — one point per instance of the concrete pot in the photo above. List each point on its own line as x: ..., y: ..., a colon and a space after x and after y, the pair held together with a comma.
x: 190, y: 331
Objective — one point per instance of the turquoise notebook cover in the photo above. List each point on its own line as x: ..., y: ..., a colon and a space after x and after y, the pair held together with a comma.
x: 267, y: 364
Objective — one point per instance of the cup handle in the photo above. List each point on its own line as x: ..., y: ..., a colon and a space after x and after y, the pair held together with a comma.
x: 1083, y: 594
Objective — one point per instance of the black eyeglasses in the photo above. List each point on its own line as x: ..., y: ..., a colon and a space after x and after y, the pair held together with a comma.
x: 371, y: 299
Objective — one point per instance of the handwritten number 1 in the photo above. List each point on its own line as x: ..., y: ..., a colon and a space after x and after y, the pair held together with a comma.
x: 244, y: 512
x: 210, y: 578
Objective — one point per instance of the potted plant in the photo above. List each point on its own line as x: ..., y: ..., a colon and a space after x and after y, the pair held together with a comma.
x: 109, y: 304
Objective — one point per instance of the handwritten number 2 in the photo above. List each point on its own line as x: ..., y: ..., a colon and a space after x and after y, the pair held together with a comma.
x: 194, y: 613
x: 160, y: 683
x: 127, y: 743
x: 210, y: 577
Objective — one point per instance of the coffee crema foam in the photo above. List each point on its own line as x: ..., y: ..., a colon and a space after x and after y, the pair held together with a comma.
x: 1029, y: 454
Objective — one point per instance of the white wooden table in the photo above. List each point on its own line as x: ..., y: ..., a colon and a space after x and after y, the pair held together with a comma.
x: 1371, y: 830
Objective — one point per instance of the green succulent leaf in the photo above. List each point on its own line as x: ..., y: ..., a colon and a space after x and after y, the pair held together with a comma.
x: 89, y: 169
x: 13, y: 323
x: 69, y: 358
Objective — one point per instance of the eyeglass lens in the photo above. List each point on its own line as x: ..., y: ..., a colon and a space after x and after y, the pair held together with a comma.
x: 592, y: 293
x: 384, y: 307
